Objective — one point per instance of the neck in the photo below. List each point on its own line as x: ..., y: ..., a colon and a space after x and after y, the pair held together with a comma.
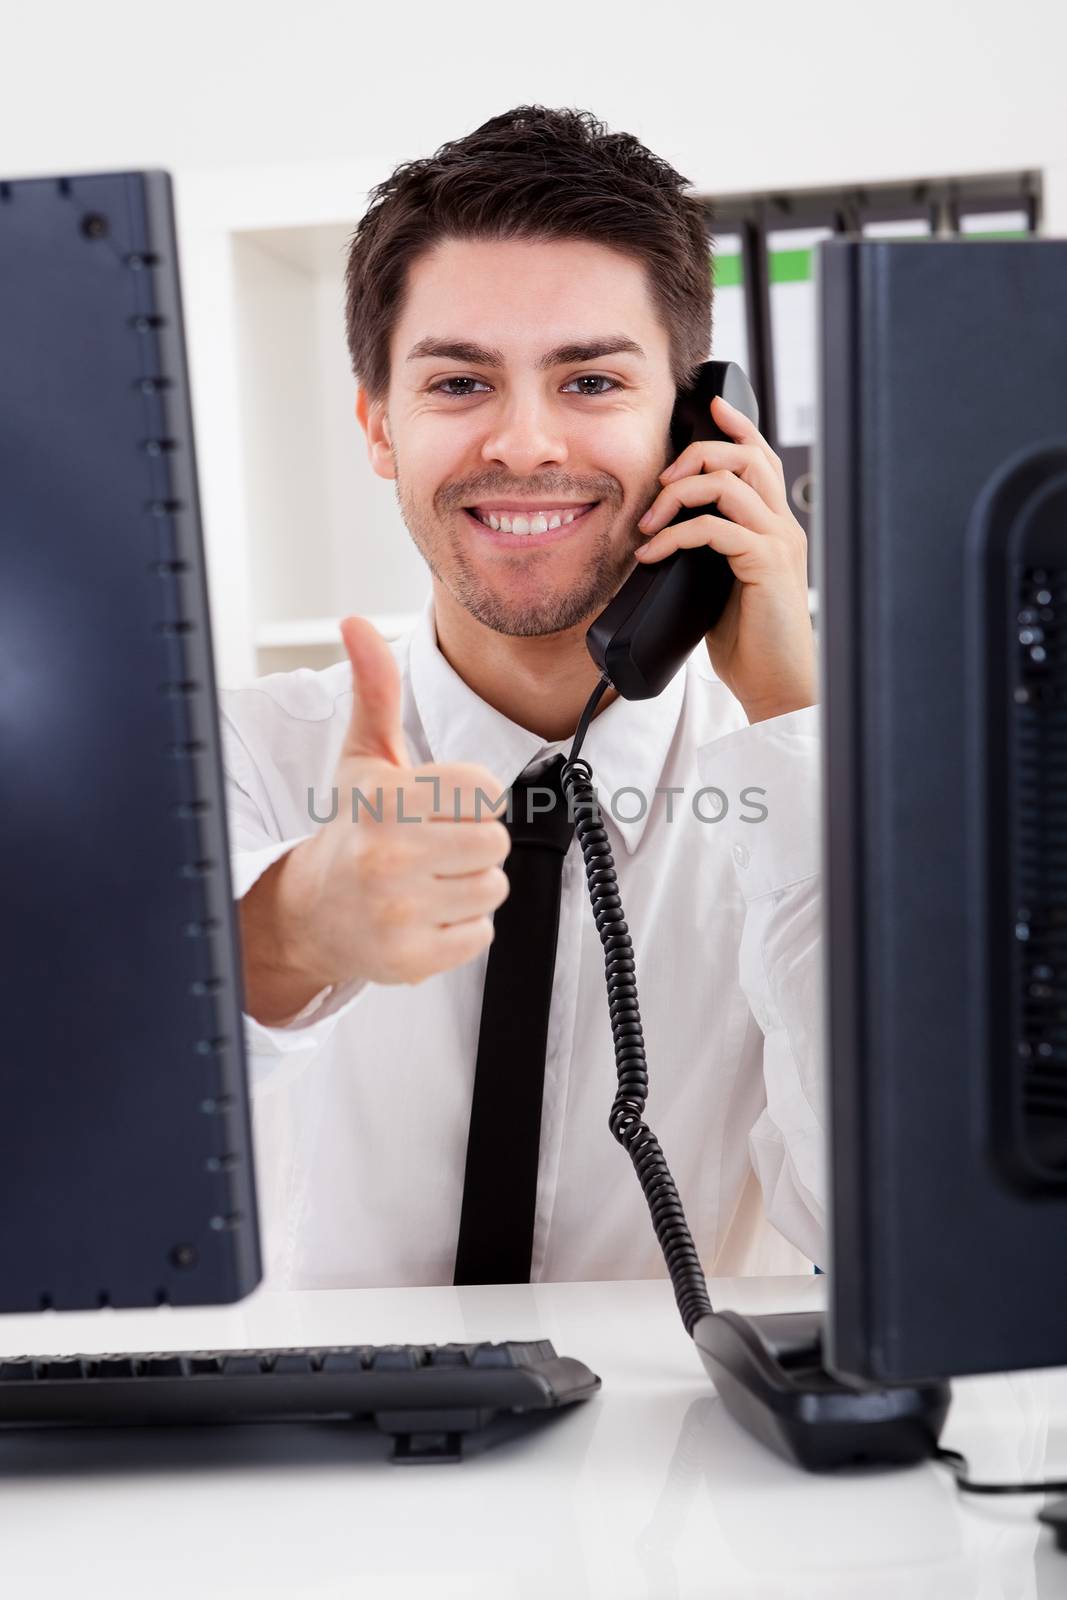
x: 541, y: 683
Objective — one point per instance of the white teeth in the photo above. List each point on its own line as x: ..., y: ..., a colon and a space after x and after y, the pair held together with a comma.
x: 519, y: 522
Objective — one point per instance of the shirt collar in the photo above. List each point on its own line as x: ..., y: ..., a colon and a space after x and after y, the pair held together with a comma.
x: 626, y: 745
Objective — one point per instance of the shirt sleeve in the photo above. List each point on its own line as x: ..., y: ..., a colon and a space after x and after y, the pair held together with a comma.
x: 254, y: 846
x: 769, y: 774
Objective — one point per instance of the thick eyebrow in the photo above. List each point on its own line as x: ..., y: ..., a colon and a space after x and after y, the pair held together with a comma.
x: 566, y: 355
x: 455, y: 350
x: 562, y: 355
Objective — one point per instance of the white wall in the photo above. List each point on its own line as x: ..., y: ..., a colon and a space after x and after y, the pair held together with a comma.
x: 738, y: 95
x: 275, y: 116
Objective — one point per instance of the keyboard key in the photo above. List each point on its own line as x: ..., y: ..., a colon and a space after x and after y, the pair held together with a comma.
x: 205, y: 1366
x: 395, y: 1358
x: 112, y: 1367
x: 293, y: 1363
x: 493, y: 1355
x: 449, y: 1355
x: 13, y: 1371
x: 162, y: 1367
x: 70, y: 1367
x: 241, y: 1366
x: 341, y: 1361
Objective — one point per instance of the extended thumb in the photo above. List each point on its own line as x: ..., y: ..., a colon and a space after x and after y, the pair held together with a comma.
x: 375, y: 728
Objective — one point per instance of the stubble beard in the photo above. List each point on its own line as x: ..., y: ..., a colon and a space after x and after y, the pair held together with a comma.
x: 538, y: 613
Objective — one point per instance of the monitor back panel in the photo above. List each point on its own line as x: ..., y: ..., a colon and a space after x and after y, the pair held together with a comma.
x: 941, y: 559
x: 125, y: 1165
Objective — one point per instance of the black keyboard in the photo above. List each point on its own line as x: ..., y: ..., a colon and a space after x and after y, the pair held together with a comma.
x: 426, y: 1396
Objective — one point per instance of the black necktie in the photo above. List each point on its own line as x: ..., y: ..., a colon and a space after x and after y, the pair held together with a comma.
x: 500, y: 1182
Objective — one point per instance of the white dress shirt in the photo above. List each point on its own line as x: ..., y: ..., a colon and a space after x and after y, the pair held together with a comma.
x: 361, y: 1105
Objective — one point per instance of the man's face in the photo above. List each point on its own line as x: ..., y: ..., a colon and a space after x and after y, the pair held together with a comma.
x: 530, y: 388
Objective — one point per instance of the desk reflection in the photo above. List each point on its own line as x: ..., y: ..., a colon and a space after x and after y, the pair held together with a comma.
x: 875, y: 1533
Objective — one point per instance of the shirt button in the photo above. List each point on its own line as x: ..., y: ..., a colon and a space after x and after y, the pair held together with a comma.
x: 741, y: 855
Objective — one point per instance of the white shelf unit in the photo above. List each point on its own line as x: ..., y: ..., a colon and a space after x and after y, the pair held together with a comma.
x: 327, y: 534
x: 299, y: 531
x: 316, y: 641
x: 319, y: 631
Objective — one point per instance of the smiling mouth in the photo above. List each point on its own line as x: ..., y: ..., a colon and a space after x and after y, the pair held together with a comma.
x: 535, y: 520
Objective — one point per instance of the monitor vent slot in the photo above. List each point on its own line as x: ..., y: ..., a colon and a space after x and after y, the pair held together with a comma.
x: 1038, y: 810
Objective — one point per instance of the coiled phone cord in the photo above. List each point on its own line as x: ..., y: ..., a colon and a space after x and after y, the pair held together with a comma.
x: 626, y: 1119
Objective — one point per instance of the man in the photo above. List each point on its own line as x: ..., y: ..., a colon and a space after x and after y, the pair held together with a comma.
x: 521, y: 308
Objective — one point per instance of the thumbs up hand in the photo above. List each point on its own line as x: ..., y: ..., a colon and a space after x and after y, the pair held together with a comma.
x: 405, y: 883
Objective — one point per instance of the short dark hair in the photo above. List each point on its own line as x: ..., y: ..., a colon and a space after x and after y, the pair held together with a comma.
x: 532, y: 173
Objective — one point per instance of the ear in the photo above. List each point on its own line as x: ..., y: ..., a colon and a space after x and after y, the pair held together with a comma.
x: 375, y: 425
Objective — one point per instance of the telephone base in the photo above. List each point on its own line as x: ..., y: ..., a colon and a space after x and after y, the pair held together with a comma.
x: 770, y: 1376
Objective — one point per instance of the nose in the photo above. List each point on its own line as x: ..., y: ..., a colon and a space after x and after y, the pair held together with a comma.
x: 525, y: 434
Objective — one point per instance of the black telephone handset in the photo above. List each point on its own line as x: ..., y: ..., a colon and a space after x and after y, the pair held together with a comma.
x: 664, y: 609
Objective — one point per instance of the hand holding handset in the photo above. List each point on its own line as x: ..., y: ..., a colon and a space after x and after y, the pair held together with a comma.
x: 664, y: 609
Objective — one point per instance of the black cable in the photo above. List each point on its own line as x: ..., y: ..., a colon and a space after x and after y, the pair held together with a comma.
x: 960, y: 1469
x: 625, y: 1121
x: 586, y: 718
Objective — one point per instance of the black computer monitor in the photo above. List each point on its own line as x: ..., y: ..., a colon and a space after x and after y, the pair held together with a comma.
x: 125, y: 1164
x: 941, y: 564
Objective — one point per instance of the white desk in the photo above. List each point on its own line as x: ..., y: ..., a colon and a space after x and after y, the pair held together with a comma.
x: 646, y: 1491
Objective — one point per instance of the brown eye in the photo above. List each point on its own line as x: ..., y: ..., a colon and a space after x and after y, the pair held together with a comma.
x: 458, y: 387
x: 591, y: 378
